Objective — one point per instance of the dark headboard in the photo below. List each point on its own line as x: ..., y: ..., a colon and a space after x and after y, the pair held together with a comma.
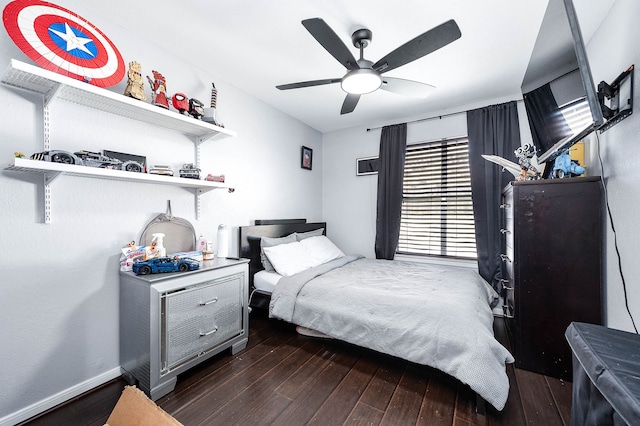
x: 249, y: 238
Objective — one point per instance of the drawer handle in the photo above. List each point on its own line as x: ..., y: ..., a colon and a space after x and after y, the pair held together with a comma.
x: 214, y: 300
x: 504, y: 257
x: 203, y: 334
x: 503, y: 281
x: 507, y: 288
x: 504, y: 231
x: 504, y: 206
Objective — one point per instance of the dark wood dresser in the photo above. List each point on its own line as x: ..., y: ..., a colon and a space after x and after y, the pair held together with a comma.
x: 551, y: 267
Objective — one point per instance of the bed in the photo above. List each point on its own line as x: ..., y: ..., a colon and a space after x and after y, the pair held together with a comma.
x: 432, y: 315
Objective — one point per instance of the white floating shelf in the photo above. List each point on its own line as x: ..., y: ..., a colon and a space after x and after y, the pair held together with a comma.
x: 56, y: 86
x: 45, y: 167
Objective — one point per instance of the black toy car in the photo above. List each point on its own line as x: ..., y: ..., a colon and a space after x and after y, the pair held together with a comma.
x: 89, y: 159
x: 165, y: 264
x: 97, y: 159
x: 57, y: 156
x: 190, y: 171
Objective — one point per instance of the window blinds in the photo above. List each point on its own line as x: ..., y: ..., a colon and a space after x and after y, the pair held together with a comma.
x: 437, y: 210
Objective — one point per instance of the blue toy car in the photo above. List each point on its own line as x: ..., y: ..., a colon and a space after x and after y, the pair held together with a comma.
x: 165, y: 264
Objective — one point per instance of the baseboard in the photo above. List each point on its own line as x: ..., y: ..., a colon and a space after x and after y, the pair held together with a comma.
x: 59, y: 398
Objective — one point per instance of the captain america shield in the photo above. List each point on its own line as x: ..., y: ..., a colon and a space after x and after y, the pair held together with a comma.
x: 63, y: 42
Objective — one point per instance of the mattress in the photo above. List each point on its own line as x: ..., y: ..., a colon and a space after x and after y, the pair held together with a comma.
x: 266, y: 281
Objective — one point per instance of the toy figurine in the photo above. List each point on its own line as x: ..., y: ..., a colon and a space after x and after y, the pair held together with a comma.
x: 564, y: 166
x: 196, y: 108
x: 210, y: 115
x: 524, y: 154
x: 522, y: 171
x: 181, y: 103
x: 135, y: 83
x: 159, y: 90
x: 214, y: 96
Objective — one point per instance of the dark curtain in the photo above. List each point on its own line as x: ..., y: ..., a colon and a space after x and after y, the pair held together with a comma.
x: 393, y: 144
x: 548, y: 125
x: 491, y: 130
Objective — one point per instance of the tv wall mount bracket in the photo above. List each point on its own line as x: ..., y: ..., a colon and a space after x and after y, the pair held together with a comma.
x: 616, y: 99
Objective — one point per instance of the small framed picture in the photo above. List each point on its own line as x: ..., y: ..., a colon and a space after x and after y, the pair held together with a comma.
x: 307, y: 158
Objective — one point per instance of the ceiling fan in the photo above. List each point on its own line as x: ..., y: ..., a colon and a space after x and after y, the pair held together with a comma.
x: 364, y: 76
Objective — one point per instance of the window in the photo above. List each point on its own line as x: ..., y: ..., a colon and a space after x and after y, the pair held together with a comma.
x: 437, y: 211
x: 577, y: 114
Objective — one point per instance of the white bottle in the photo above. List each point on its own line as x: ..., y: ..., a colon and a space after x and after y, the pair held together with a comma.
x: 223, y: 241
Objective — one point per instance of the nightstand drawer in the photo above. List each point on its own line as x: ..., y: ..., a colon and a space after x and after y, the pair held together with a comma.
x: 200, y: 318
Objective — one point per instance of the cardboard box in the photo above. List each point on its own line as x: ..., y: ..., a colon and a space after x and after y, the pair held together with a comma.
x: 134, y: 408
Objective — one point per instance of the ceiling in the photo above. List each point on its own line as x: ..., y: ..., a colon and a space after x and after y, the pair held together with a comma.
x: 256, y: 45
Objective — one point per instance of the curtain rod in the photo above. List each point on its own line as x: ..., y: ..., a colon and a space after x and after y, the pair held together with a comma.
x: 421, y: 119
x: 427, y: 118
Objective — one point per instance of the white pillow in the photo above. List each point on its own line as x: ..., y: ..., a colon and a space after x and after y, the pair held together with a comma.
x: 289, y: 259
x: 321, y: 250
x: 269, y: 242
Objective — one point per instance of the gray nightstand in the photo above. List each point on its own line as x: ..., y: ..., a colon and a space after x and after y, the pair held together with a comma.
x: 170, y: 322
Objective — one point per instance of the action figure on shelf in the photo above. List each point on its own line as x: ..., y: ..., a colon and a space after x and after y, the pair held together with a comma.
x: 522, y: 171
x: 159, y: 90
x: 210, y: 115
x: 135, y: 83
x: 524, y: 154
x: 196, y: 108
x: 181, y: 103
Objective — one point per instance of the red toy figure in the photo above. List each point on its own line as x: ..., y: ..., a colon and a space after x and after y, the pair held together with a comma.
x: 159, y: 90
x: 181, y: 103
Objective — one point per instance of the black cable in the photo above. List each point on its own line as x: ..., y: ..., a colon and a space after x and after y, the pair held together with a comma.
x: 615, y: 236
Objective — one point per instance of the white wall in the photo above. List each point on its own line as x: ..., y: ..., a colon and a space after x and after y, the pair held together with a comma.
x: 59, y: 285
x: 612, y: 50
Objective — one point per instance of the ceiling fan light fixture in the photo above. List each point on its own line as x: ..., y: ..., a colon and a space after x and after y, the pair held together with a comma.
x: 361, y: 81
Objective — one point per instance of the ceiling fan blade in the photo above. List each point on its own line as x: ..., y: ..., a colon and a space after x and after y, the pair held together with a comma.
x: 420, y: 46
x: 308, y: 83
x: 349, y: 103
x: 331, y: 42
x: 411, y: 88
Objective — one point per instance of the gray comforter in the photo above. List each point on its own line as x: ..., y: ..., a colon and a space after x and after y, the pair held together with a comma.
x: 432, y: 315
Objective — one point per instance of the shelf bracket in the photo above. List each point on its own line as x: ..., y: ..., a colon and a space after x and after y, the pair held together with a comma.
x: 52, y: 94
x: 199, y: 140
x: 47, y: 98
x: 47, y: 180
x: 199, y: 192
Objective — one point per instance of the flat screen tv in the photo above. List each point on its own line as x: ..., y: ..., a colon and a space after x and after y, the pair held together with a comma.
x: 559, y: 95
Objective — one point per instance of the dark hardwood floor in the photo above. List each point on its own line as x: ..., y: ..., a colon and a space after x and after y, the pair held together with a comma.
x: 283, y: 378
